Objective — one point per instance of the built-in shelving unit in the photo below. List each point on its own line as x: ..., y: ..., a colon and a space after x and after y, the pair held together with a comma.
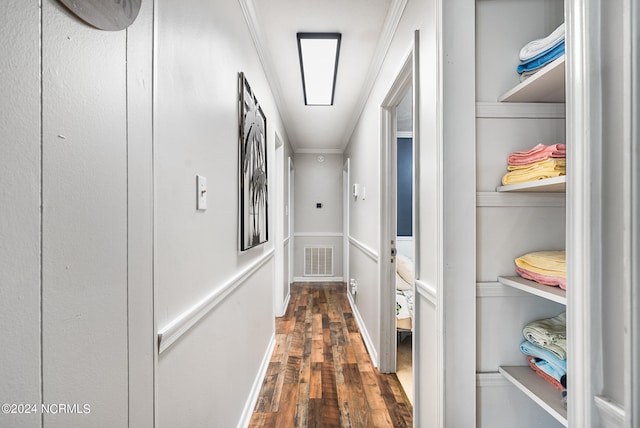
x: 546, y: 86
x: 536, y: 388
x: 551, y: 185
x: 555, y: 294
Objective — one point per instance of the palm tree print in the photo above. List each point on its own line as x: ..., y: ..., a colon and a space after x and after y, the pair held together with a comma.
x: 254, y: 169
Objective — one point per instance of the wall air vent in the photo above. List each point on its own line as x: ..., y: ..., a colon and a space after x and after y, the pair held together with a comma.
x: 318, y: 261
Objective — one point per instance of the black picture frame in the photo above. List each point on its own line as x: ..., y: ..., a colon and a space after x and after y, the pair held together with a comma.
x: 254, y: 183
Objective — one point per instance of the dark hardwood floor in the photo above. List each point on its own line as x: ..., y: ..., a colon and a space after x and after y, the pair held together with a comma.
x: 320, y: 374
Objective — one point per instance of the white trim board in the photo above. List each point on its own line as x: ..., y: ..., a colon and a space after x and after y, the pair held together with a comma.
x: 520, y: 110
x: 491, y: 379
x: 373, y: 254
x: 318, y: 235
x: 428, y: 292
x: 313, y: 151
x: 366, y: 338
x: 612, y: 415
x: 318, y: 279
x: 495, y: 289
x: 533, y: 200
x: 250, y: 404
x: 183, y: 323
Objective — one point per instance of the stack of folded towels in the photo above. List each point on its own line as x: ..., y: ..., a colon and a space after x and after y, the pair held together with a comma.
x: 536, y: 164
x: 538, y: 53
x: 546, y: 349
x: 544, y: 267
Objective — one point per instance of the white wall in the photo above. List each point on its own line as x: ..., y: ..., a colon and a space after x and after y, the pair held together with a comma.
x: 20, y: 171
x: 364, y: 152
x: 318, y: 182
x: 76, y: 180
x: 201, y: 47
x: 78, y: 213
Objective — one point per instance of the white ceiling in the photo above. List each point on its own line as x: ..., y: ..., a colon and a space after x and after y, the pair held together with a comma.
x: 367, y: 27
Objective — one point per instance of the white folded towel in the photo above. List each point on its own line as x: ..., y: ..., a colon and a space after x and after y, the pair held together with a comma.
x: 536, y: 47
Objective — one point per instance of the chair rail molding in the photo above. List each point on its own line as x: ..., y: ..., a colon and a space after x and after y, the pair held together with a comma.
x: 370, y: 252
x: 183, y: 323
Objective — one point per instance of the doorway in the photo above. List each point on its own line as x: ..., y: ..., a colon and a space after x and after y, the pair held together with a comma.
x: 404, y: 280
x: 393, y: 331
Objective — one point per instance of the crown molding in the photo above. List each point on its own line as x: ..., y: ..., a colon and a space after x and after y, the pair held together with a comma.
x: 257, y: 35
x: 396, y: 9
x: 319, y: 151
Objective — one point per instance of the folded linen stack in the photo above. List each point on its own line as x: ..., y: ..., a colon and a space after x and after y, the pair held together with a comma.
x: 537, y: 163
x: 544, y: 267
x: 546, y: 349
x: 538, y: 53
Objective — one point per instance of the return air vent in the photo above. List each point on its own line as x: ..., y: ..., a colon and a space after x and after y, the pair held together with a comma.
x: 318, y: 261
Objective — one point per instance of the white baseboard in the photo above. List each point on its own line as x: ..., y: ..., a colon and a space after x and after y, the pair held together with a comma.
x: 318, y: 279
x: 285, y: 305
x: 245, y: 418
x: 373, y: 353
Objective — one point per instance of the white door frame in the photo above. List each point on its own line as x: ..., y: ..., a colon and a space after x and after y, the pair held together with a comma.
x: 346, y: 186
x: 278, y: 288
x: 405, y: 78
x: 291, y: 204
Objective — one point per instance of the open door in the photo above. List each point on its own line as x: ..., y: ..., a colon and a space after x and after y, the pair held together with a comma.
x: 405, y: 82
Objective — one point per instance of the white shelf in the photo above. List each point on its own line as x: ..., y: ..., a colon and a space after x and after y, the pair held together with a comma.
x: 550, y: 185
x: 538, y: 389
x: 546, y: 86
x: 555, y: 294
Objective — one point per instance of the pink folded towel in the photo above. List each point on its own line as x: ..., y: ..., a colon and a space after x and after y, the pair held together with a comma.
x: 538, y: 153
x: 542, y: 279
x: 545, y: 376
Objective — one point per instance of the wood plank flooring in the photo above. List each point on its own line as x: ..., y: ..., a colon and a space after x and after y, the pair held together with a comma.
x: 320, y: 374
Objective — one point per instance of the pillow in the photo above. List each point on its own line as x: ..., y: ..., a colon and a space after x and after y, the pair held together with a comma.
x: 402, y: 285
x: 404, y: 266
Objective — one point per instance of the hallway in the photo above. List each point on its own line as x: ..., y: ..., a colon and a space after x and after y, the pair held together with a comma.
x: 320, y: 374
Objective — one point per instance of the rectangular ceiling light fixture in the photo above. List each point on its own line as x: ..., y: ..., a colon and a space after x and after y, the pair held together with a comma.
x: 319, y: 54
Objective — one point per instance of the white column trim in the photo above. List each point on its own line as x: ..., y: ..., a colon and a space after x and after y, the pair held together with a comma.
x: 633, y: 407
x: 583, y: 217
x: 183, y: 323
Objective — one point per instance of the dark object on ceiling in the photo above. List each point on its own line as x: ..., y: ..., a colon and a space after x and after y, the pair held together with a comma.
x: 110, y: 15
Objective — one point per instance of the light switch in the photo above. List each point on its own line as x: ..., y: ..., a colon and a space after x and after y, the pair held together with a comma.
x: 201, y: 185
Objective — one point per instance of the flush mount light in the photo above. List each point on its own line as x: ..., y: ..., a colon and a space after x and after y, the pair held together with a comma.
x: 319, y: 54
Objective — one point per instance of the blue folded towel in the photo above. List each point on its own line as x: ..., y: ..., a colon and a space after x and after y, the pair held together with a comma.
x: 542, y: 59
x: 555, y: 366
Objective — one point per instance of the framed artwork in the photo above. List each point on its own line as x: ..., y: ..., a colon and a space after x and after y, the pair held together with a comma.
x: 253, y: 168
